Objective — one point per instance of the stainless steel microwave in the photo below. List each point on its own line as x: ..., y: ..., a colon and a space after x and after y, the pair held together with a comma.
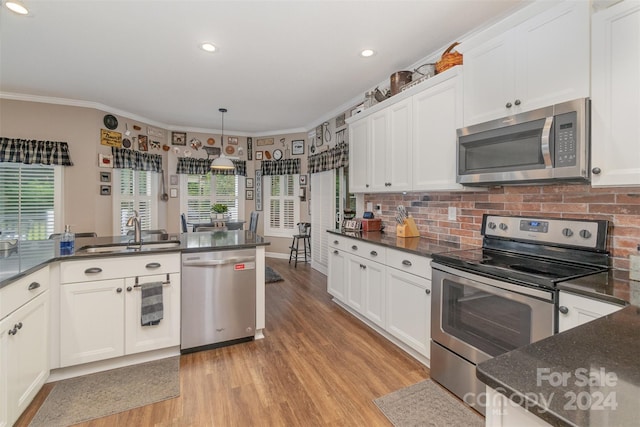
x: 540, y: 146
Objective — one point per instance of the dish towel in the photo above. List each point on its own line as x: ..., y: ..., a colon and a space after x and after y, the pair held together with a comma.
x: 152, y: 309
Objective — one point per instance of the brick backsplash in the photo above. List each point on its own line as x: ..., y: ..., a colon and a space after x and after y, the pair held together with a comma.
x: 621, y: 206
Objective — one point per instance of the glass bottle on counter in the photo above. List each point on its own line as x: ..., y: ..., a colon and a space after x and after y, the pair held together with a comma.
x: 67, y: 241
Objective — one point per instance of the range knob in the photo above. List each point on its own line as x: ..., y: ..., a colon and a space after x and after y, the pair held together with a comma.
x: 567, y: 232
x: 492, y: 225
x: 503, y: 226
x: 585, y: 234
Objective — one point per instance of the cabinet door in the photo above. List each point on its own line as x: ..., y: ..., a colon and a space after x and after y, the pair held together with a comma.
x: 437, y: 114
x: 489, y: 82
x: 91, y: 321
x: 373, y: 284
x: 336, y: 274
x: 140, y: 338
x: 399, y: 146
x: 552, y: 57
x: 358, y: 156
x: 379, y: 148
x: 27, y: 354
x: 355, y: 293
x: 615, y: 103
x: 409, y: 309
x: 4, y: 346
x: 580, y: 310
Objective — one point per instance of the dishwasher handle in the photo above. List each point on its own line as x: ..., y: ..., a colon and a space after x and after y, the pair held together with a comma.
x: 215, y: 262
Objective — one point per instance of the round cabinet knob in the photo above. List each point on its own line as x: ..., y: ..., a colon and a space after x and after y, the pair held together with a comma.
x: 596, y: 171
x: 585, y: 234
x: 562, y: 309
x: 492, y: 225
x: 566, y: 232
x: 427, y: 291
x: 119, y: 290
x: 19, y: 325
x: 508, y: 105
x: 366, y: 185
x: 503, y: 226
x: 517, y: 102
x: 373, y: 253
x: 129, y: 288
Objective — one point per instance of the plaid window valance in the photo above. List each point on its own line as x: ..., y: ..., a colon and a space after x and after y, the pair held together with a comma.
x: 333, y: 158
x: 136, y: 160
x: 281, y: 167
x: 29, y: 152
x: 192, y: 166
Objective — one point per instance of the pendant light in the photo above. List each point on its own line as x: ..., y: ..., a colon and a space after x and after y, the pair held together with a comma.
x: 222, y: 162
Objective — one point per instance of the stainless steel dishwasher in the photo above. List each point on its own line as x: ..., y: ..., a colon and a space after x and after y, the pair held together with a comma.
x: 218, y: 298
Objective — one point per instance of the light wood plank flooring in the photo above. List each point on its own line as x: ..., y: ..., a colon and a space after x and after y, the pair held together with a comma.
x: 317, y: 366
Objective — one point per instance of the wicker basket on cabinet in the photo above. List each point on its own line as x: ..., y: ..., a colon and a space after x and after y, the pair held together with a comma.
x: 449, y: 59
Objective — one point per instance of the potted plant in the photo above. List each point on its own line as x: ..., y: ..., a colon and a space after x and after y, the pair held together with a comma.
x: 219, y: 210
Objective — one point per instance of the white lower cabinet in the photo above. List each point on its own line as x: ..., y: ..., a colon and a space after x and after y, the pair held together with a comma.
x: 368, y: 279
x: 576, y: 310
x: 24, y: 357
x: 101, y: 319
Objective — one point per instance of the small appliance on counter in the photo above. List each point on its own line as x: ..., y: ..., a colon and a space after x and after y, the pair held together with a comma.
x: 366, y: 223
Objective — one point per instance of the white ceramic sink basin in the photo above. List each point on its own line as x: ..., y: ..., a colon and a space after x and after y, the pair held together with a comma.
x: 130, y: 248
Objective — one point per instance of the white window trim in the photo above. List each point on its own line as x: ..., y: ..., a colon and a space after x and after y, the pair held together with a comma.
x: 184, y: 202
x: 277, y: 232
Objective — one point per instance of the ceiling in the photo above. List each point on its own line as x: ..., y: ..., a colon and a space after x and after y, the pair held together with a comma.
x: 281, y: 66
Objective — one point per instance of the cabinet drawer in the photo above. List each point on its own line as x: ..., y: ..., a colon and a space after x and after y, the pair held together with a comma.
x: 115, y: 267
x: 366, y: 250
x: 338, y: 242
x: 21, y: 291
x: 411, y: 263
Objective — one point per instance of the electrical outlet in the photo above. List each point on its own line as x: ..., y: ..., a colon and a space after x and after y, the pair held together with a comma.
x: 452, y: 213
x: 378, y: 207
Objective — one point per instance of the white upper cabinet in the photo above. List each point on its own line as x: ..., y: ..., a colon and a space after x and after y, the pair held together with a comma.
x: 540, y: 62
x: 615, y: 106
x: 358, y: 156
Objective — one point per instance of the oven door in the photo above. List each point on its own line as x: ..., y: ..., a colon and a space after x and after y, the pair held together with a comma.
x: 479, y: 318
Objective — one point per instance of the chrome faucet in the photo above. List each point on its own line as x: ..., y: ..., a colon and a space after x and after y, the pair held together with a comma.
x: 134, y: 222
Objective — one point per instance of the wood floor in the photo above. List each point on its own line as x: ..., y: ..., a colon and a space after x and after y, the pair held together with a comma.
x: 317, y: 366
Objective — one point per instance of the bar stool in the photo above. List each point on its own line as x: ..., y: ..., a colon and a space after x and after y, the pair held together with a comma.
x: 304, y: 234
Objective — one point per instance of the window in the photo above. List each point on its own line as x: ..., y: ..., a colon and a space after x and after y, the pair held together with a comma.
x: 30, y: 195
x: 202, y: 191
x: 135, y: 190
x: 282, y: 205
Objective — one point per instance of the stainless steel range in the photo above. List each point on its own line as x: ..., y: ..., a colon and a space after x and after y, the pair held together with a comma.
x: 502, y: 296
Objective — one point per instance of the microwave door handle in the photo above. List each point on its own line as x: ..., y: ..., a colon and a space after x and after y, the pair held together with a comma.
x: 544, y: 143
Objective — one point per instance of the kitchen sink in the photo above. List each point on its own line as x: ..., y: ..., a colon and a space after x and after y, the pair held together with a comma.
x: 129, y: 247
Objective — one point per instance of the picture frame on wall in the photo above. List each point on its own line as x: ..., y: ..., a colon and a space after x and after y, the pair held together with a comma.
x: 105, y: 190
x: 105, y: 176
x: 232, y: 140
x: 297, y: 147
x: 178, y: 138
x: 303, y: 179
x: 249, y: 195
x: 258, y: 155
x: 248, y: 183
x: 143, y: 143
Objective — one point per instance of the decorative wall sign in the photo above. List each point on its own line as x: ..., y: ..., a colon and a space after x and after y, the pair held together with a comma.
x: 154, y: 144
x: 340, y: 136
x: 297, y: 147
x: 258, y: 155
x: 173, y: 193
x: 105, y: 190
x: 264, y: 141
x: 248, y: 183
x: 249, y: 148
x: 105, y: 160
x: 110, y: 138
x: 258, y: 193
x: 340, y: 120
x: 233, y: 140
x: 249, y: 195
x: 303, y: 179
x: 155, y: 132
x: 173, y: 179
x: 143, y: 143
x: 178, y: 138
x: 303, y: 194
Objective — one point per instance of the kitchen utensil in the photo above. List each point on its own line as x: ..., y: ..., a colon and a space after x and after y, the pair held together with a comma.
x: 449, y: 59
x: 127, y: 132
x: 381, y: 96
x: 110, y: 122
x: 126, y: 143
x: 164, y: 196
x: 399, y: 79
x: 428, y: 70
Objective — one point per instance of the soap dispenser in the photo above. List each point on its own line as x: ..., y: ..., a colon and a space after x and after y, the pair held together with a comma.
x: 67, y: 241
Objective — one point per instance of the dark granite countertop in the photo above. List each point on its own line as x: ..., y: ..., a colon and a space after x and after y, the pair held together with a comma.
x: 415, y: 245
x: 33, y: 254
x: 612, y: 286
x: 599, y: 361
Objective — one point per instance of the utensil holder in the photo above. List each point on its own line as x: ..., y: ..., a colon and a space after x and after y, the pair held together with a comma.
x: 408, y: 229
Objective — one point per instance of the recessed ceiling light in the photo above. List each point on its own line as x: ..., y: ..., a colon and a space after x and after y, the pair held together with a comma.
x: 16, y: 7
x: 208, y: 47
x: 367, y: 53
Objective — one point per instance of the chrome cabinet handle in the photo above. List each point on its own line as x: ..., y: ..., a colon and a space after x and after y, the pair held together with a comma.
x: 335, y: 251
x: 335, y: 242
x: 93, y: 270
x: 427, y: 291
x: 406, y: 262
x: 562, y: 309
x: 153, y: 265
x: 509, y: 105
x: 18, y: 325
x: 366, y: 185
x: 33, y: 286
x: 517, y: 102
x: 13, y: 331
x: 596, y: 171
x: 373, y: 253
x: 545, y: 141
x: 354, y: 247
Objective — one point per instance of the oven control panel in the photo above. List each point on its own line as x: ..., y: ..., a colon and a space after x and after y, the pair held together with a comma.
x: 556, y: 231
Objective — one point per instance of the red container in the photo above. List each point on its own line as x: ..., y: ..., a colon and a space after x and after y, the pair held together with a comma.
x: 374, y: 224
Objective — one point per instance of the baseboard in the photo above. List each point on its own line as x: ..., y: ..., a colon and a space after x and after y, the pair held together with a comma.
x: 277, y: 255
x: 401, y: 345
x: 118, y: 362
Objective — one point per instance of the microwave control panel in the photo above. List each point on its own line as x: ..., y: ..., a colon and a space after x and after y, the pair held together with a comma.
x: 565, y: 139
